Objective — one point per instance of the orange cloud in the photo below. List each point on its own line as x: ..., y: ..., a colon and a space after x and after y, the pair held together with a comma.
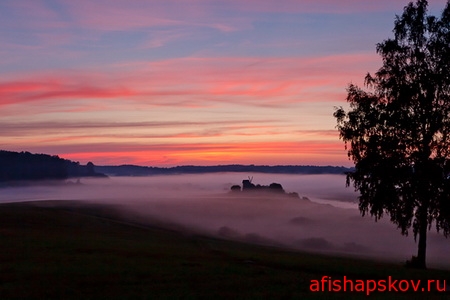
x: 269, y: 153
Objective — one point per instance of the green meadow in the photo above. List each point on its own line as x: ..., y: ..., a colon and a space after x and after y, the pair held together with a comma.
x: 73, y: 250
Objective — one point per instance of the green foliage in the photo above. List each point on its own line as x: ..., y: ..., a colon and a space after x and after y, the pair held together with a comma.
x: 397, y: 131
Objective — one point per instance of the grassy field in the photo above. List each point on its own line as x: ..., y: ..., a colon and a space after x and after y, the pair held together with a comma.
x: 68, y: 250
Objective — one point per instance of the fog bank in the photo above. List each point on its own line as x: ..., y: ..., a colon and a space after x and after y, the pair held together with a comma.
x: 329, y: 223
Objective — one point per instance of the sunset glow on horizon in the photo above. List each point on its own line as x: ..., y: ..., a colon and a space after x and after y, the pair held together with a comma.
x: 195, y: 82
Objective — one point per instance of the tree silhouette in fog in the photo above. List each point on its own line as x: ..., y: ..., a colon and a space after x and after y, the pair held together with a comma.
x: 397, y: 130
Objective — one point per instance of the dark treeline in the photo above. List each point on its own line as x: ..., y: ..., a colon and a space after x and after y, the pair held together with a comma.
x: 28, y: 166
x: 16, y: 166
x: 132, y: 170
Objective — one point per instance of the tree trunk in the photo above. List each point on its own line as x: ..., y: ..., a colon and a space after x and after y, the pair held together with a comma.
x: 421, y: 254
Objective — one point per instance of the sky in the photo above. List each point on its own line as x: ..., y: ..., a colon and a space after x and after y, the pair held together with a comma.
x: 192, y: 82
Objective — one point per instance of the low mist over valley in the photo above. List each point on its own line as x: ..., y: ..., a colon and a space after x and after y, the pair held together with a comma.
x: 328, y: 221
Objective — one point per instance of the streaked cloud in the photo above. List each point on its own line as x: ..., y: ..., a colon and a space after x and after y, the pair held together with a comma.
x: 199, y: 153
x: 183, y: 82
x: 244, y: 80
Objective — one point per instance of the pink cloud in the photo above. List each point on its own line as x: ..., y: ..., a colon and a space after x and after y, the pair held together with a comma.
x: 243, y: 81
x: 256, y: 80
x: 206, y: 87
x: 60, y: 132
x: 25, y: 91
x: 199, y: 81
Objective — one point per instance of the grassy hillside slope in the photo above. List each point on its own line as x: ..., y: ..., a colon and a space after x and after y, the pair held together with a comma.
x: 68, y: 250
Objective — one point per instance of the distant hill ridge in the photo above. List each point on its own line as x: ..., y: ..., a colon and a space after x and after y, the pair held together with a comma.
x: 133, y: 170
x: 28, y: 166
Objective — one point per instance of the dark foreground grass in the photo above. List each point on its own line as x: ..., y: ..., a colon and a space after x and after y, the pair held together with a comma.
x: 64, y: 250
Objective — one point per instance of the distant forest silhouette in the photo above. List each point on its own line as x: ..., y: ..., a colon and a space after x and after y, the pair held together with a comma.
x: 17, y: 166
x: 133, y: 170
